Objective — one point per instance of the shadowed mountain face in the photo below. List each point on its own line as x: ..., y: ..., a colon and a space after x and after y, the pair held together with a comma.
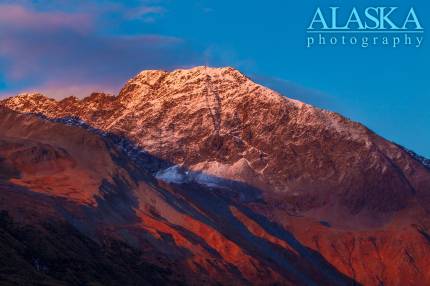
x: 201, y: 176
x: 78, y: 198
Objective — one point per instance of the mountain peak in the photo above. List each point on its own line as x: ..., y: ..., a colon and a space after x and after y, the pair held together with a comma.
x: 153, y: 77
x: 25, y: 101
x: 197, y: 80
x: 28, y: 95
x: 192, y: 70
x: 208, y: 70
x: 211, y: 72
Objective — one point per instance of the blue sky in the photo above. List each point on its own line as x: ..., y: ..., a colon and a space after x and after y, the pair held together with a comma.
x: 74, y: 47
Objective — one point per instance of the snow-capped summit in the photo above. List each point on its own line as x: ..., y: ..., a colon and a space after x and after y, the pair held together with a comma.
x: 218, y: 121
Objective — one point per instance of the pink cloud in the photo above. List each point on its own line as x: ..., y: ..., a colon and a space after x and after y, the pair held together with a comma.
x: 20, y: 17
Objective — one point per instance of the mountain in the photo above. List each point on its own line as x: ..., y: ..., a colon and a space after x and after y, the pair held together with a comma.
x: 81, y: 207
x: 224, y: 178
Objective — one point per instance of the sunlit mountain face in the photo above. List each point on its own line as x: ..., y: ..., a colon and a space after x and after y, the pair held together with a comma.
x: 202, y: 177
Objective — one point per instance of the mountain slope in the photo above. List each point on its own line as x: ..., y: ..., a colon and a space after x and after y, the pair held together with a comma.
x: 219, y: 122
x: 261, y: 173
x: 75, y: 191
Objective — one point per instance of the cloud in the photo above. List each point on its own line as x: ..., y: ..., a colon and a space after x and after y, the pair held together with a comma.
x: 145, y: 11
x: 54, y: 50
x: 15, y: 17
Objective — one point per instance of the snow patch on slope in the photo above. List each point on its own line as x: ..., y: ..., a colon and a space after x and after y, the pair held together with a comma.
x: 173, y: 175
x: 178, y: 175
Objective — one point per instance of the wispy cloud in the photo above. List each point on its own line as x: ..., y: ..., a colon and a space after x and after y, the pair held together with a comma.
x: 16, y: 18
x: 145, y: 12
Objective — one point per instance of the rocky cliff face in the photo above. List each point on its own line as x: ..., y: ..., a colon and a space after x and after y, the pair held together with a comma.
x: 217, y: 121
x: 72, y: 195
x: 265, y: 171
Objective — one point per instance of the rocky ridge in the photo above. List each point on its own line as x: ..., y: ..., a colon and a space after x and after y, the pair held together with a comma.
x: 297, y: 177
x: 217, y: 121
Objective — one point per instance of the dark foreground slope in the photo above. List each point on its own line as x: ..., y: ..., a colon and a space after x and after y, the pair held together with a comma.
x: 56, y: 253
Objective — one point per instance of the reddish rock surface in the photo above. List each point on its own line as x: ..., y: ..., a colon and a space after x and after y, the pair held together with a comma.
x: 233, y: 182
